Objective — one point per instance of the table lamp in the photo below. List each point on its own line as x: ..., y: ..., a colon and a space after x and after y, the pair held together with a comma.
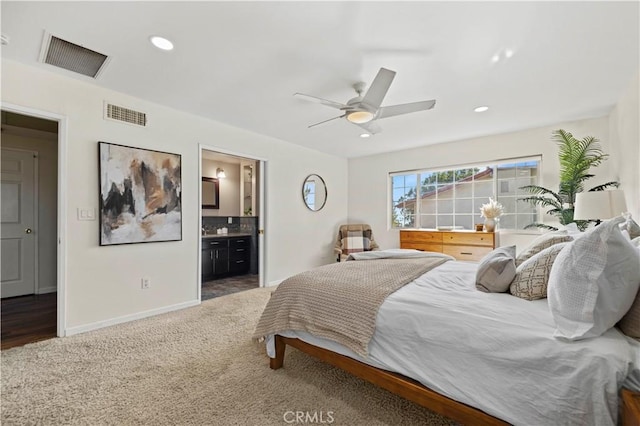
x: 599, y: 205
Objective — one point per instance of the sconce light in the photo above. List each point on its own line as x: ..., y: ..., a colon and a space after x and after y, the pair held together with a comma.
x: 220, y: 173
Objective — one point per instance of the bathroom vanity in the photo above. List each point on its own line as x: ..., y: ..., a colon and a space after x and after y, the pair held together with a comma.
x: 225, y: 255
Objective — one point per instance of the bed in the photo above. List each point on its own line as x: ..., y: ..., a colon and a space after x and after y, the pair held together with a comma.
x: 480, y: 358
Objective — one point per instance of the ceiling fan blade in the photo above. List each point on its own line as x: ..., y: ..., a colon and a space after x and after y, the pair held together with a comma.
x: 334, y: 118
x: 390, y: 111
x: 371, y: 127
x: 332, y: 104
x: 378, y: 90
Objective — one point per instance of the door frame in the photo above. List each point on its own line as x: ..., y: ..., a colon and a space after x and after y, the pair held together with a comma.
x: 261, y: 209
x: 61, y: 255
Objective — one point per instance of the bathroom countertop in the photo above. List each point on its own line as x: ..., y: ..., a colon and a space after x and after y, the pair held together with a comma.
x: 230, y: 234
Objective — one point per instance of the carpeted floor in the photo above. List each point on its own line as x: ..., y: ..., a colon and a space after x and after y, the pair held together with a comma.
x: 196, y: 366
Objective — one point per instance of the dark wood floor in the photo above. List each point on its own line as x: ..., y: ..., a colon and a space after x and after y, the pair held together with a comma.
x: 28, y: 319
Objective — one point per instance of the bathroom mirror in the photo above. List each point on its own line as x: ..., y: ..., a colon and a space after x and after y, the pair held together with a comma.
x: 210, y: 193
x: 314, y: 192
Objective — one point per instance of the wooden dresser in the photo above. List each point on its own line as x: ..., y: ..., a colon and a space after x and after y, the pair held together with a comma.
x: 463, y: 245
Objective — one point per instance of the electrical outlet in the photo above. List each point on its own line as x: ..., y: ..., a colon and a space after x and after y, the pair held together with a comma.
x: 146, y: 283
x: 229, y: 220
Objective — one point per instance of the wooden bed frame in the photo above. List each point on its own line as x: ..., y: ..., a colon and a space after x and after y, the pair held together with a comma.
x: 393, y: 382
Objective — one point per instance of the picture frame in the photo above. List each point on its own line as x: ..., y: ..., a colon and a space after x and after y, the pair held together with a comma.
x: 140, y: 195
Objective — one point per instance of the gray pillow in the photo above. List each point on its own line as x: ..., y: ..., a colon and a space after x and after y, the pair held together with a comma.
x: 496, y: 270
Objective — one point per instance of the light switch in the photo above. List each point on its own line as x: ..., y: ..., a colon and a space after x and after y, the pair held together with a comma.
x: 86, y: 214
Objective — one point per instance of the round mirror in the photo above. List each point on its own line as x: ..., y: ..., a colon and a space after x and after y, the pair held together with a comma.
x: 314, y: 192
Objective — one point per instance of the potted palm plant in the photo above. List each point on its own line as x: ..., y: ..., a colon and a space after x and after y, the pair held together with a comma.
x: 576, y: 156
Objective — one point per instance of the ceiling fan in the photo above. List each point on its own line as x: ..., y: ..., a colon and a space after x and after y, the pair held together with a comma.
x: 364, y: 110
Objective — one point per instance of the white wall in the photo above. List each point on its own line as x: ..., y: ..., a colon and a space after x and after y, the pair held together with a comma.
x: 103, y: 283
x: 229, y: 187
x: 45, y: 144
x: 624, y: 126
x: 368, y: 176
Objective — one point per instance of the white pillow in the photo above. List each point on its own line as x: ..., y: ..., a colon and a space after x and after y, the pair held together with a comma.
x: 573, y: 230
x: 593, y: 282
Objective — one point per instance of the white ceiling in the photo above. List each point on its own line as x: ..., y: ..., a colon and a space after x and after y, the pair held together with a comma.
x: 241, y: 62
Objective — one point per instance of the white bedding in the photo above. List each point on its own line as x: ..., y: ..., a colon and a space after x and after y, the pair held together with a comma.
x: 495, y: 352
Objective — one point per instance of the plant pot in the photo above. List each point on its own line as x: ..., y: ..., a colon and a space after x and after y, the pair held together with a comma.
x: 490, y: 225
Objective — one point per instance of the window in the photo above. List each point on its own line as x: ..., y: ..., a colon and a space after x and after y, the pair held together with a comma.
x: 452, y: 197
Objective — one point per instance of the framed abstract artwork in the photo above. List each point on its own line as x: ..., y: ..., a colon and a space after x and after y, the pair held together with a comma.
x: 140, y: 195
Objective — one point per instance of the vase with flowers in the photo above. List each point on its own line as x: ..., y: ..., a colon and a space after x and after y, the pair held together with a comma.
x: 491, y: 213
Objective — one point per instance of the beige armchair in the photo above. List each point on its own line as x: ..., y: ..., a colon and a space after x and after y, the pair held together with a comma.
x: 354, y: 238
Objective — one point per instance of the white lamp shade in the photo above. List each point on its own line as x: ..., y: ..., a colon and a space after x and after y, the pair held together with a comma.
x: 599, y: 205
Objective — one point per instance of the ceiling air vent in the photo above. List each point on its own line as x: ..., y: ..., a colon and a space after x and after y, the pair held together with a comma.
x: 126, y: 115
x: 63, y: 54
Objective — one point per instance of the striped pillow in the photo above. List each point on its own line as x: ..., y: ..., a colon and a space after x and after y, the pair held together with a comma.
x: 541, y: 243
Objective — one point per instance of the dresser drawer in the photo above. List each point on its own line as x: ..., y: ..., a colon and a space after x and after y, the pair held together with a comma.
x: 239, y: 242
x: 468, y: 238
x: 472, y: 253
x: 238, y: 253
x: 422, y: 246
x: 238, y: 266
x: 420, y: 237
x: 214, y: 243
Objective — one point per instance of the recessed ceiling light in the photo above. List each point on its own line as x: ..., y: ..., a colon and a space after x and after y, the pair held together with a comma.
x: 161, y: 43
x: 502, y: 54
x: 365, y: 135
x: 481, y: 108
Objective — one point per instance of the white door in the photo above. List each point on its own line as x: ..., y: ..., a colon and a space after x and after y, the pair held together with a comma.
x: 17, y: 223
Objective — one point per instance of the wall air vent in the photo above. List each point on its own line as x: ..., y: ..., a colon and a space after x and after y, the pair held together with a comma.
x: 72, y: 57
x: 126, y: 115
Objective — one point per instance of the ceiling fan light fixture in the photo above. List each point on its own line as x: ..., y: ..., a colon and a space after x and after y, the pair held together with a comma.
x: 365, y: 135
x: 359, y: 117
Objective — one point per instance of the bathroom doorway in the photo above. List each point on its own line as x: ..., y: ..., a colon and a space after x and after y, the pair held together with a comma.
x: 231, y: 223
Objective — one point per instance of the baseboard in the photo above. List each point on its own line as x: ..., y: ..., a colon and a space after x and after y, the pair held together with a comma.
x: 273, y: 283
x: 126, y: 318
x: 45, y: 290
